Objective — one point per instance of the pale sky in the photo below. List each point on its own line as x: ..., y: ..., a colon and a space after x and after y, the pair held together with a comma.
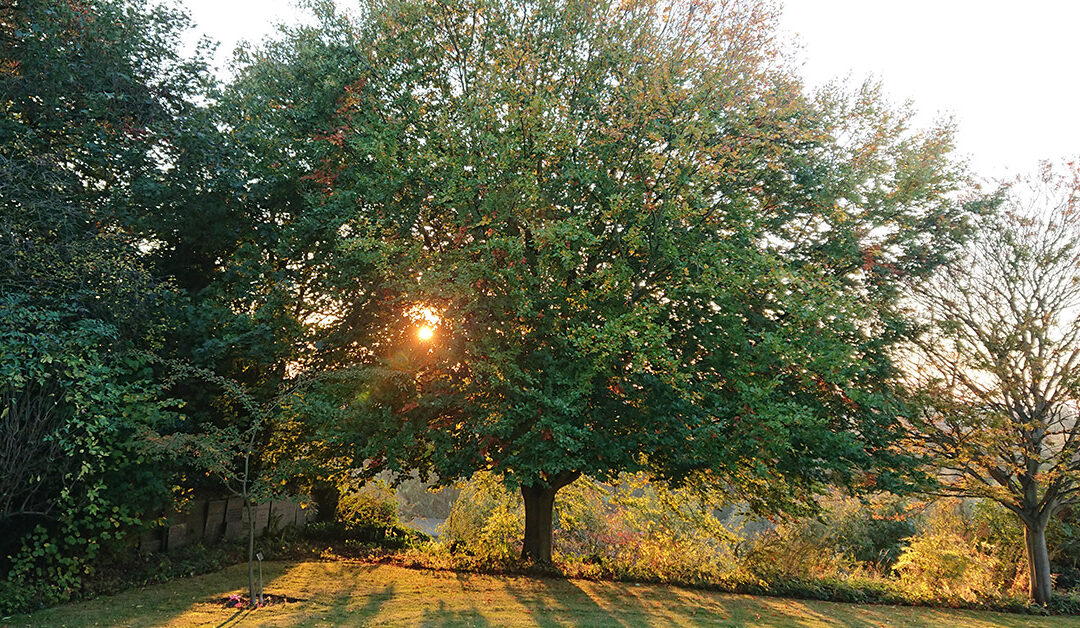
x: 1005, y: 70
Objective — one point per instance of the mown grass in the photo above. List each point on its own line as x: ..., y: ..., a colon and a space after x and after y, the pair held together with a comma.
x: 358, y: 594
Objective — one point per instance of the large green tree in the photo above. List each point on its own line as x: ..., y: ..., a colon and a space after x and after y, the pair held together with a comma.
x: 647, y: 249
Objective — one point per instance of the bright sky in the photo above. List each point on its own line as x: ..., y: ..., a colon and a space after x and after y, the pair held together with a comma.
x: 1005, y: 70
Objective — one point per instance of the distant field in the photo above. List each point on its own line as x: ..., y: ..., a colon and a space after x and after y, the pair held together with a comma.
x: 335, y: 594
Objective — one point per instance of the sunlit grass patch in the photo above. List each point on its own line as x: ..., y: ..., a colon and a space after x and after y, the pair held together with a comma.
x: 358, y: 594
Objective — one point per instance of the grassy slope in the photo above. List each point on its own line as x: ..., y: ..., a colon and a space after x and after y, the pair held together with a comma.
x: 336, y: 593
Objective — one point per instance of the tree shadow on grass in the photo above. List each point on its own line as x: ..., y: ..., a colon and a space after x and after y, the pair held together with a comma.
x: 444, y: 616
x: 553, y: 602
x: 373, y: 605
x: 232, y: 621
x: 307, y: 581
x: 336, y: 592
x: 359, y: 594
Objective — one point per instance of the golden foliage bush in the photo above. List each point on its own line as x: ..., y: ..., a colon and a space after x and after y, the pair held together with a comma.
x: 943, y: 566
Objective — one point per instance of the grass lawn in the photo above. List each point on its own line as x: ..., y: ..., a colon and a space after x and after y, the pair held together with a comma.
x: 338, y: 593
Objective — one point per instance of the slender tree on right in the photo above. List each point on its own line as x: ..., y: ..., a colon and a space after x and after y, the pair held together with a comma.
x: 998, y: 367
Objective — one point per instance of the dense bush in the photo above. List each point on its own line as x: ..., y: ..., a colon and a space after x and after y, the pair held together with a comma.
x: 78, y: 414
x: 486, y: 521
x: 645, y: 531
x: 944, y: 566
x: 879, y: 549
x: 366, y: 519
x: 371, y: 505
x: 849, y: 537
x: 1001, y: 535
x: 965, y: 552
x: 635, y: 531
x: 797, y: 550
x: 1063, y: 536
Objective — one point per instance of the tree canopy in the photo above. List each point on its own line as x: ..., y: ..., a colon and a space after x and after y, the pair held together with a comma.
x: 90, y: 94
x: 639, y: 243
x: 646, y: 248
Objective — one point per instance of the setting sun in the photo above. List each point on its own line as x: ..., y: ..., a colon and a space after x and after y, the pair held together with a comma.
x: 427, y: 320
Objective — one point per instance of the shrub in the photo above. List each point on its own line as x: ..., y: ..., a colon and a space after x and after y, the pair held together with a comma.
x: 371, y: 505
x: 871, y: 530
x: 642, y: 530
x: 943, y: 566
x: 957, y: 555
x: 487, y: 520
x: 582, y: 520
x: 852, y: 536
x: 797, y: 550
x: 80, y: 409
x: 636, y: 530
x: 1002, y: 535
x: 1063, y: 538
x: 367, y: 520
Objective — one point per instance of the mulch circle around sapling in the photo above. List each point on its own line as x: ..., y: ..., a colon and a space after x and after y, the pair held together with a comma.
x: 269, y: 599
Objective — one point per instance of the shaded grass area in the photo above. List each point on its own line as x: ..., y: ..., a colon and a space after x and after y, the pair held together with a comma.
x: 357, y: 594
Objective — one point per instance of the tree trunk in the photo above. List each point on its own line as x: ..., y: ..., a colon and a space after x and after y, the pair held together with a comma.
x: 539, y: 515
x: 1040, y: 586
x: 251, y: 551
x: 326, y: 496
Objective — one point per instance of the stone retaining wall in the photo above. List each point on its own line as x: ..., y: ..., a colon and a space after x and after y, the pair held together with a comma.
x: 211, y: 521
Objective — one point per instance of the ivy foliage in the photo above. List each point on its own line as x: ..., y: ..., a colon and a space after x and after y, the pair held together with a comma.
x: 89, y: 94
x: 76, y: 416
